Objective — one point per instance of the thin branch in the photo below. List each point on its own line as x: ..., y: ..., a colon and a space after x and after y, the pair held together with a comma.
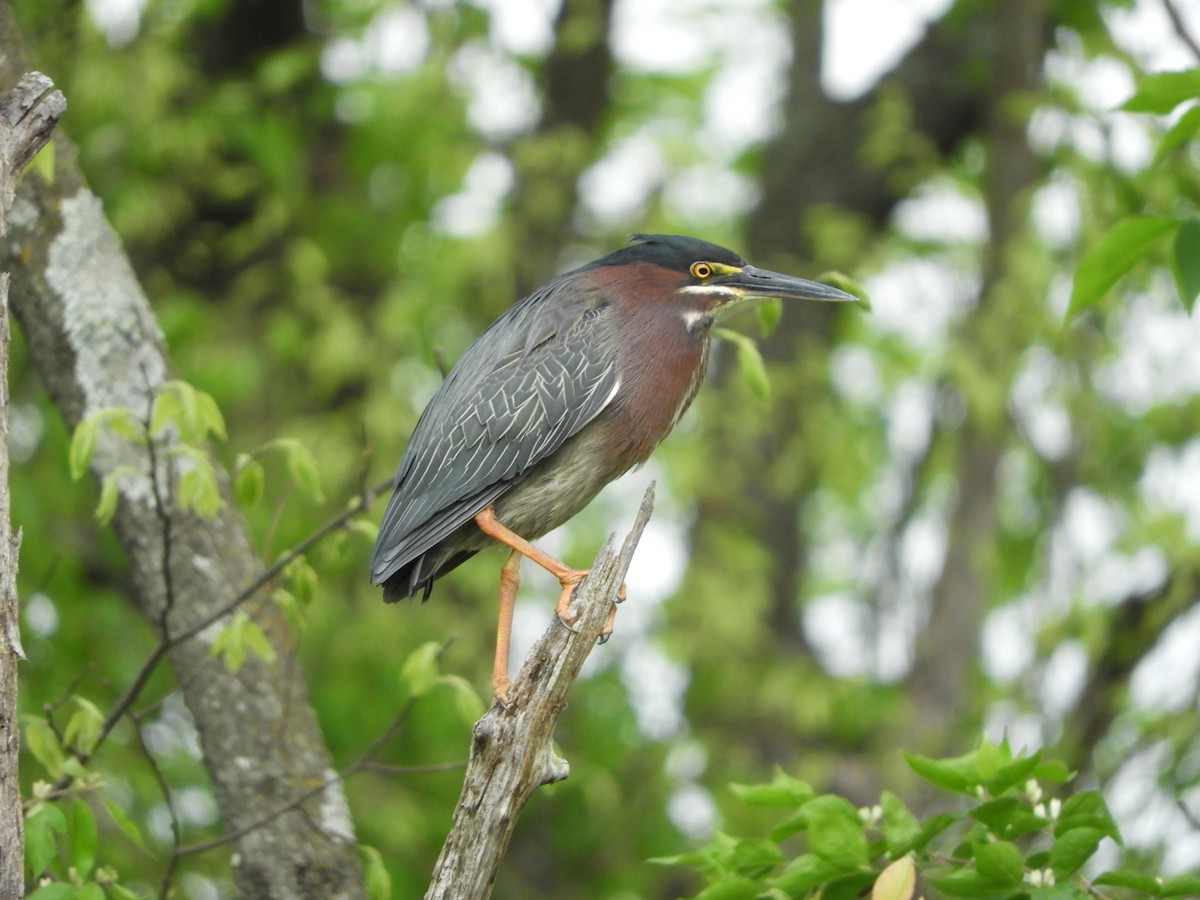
x: 1181, y: 27
x: 165, y: 789
x: 166, y: 644
x: 359, y: 765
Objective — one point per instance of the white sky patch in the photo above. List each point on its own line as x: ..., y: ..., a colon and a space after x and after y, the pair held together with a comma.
x: 118, y: 19
x: 1044, y: 420
x: 940, y: 213
x: 836, y: 624
x: 1056, y: 213
x: 910, y: 420
x: 1166, y: 678
x: 691, y: 809
x: 615, y: 188
x: 474, y: 209
x: 919, y: 298
x: 1063, y: 679
x: 395, y: 43
x: 855, y: 374
x: 656, y: 686
x: 502, y: 100
x: 865, y: 38
x: 1171, y: 483
x: 1146, y: 32
x: 1007, y: 644
x: 523, y: 27
x: 41, y: 615
x: 710, y: 193
x: 1158, y: 362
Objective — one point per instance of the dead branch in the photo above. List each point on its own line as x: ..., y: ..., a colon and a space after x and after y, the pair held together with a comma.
x: 512, y: 752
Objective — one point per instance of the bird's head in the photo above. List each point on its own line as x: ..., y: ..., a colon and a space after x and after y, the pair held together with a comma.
x: 705, y: 279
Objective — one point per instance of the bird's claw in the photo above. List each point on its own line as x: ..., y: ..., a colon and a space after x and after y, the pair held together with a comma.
x: 502, y: 695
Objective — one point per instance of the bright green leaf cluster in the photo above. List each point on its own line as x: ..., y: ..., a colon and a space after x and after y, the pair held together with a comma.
x: 240, y: 637
x: 1008, y: 843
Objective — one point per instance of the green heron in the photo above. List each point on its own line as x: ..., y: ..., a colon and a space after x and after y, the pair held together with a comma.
x: 572, y: 387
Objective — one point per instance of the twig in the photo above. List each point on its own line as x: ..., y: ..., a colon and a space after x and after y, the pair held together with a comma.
x: 167, y: 643
x: 165, y: 789
x: 512, y: 752
x: 1181, y: 28
x: 359, y: 765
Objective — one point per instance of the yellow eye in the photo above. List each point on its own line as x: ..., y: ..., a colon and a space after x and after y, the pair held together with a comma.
x: 701, y: 270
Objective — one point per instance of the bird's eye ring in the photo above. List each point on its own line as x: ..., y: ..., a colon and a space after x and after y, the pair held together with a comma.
x: 701, y: 270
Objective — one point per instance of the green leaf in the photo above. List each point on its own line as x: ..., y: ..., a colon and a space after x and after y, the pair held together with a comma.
x: 1181, y: 886
x: 57, y: 890
x: 1001, y: 861
x: 232, y: 641
x: 934, y: 826
x: 805, y: 872
x: 897, y: 881
x: 732, y: 888
x: 256, y: 640
x: 122, y: 820
x: 90, y: 892
x: 1187, y: 262
x: 42, y: 827
x: 966, y: 883
x: 1086, y: 809
x: 250, y: 481
x: 168, y: 409
x: 1008, y: 817
x: 1163, y: 91
x: 110, y: 493
x: 42, y: 742
x: 420, y: 671
x: 83, y: 446
x: 1127, y: 878
x: 209, y: 415
x: 900, y: 827
x: 755, y: 857
x: 784, y: 791
x: 466, y: 700
x: 375, y: 873
x: 302, y: 466
x: 750, y: 361
x: 959, y: 774
x: 1010, y: 774
x: 1054, y: 771
x: 835, y: 832
x: 83, y: 728
x: 769, y: 313
x: 1125, y: 244
x: 82, y: 838
x: 198, y: 491
x: 1073, y: 849
x: 1179, y: 134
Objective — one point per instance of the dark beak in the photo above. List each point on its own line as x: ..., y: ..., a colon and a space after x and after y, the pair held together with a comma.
x: 763, y: 283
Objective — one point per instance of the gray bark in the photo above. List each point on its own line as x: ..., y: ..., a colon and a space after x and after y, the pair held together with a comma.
x: 95, y: 343
x: 512, y: 753
x: 28, y: 115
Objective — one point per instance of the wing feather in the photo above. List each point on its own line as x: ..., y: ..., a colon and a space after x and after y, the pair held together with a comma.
x: 542, y: 372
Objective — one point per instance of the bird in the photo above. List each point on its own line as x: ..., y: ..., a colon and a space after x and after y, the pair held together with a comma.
x: 573, y: 386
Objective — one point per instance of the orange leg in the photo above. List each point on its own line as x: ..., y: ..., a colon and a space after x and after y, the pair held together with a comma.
x: 567, y: 577
x: 510, y: 580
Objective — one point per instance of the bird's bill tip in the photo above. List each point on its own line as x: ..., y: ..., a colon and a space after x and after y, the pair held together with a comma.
x: 764, y: 283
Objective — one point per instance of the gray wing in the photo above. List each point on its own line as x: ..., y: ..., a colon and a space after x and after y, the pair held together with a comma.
x: 537, y: 376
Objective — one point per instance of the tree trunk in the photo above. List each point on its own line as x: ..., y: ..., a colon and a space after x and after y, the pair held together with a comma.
x: 28, y: 115
x: 93, y: 338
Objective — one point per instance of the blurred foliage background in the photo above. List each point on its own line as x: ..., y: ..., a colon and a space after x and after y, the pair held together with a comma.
x: 958, y: 513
